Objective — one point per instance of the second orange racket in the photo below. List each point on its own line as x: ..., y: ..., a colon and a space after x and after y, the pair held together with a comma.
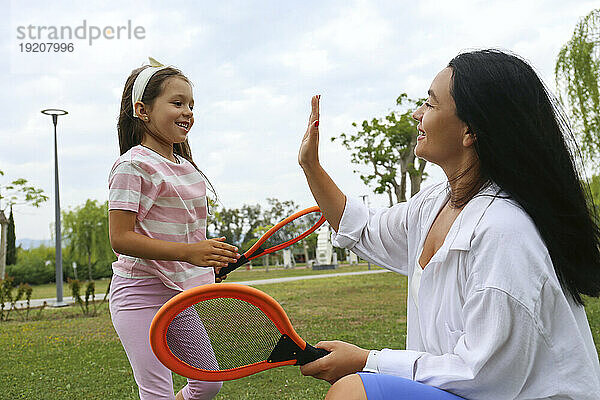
x: 226, y: 331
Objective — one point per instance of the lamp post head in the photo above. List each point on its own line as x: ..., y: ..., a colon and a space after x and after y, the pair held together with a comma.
x: 54, y: 112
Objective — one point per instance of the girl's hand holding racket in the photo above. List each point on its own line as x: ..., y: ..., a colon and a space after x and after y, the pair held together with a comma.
x: 344, y: 359
x: 212, y: 253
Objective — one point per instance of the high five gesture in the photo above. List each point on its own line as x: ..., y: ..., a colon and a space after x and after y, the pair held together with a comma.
x: 329, y: 197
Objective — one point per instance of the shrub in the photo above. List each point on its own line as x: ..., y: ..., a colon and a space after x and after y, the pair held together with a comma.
x: 34, y: 266
x: 88, y: 305
x: 8, y: 300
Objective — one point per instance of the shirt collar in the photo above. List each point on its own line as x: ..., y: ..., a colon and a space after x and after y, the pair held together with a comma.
x: 471, y: 215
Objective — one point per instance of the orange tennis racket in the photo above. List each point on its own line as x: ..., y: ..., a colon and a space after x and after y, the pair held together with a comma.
x: 287, y: 232
x: 226, y: 331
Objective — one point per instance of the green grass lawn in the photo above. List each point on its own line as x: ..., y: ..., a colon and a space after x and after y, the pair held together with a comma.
x: 66, y: 356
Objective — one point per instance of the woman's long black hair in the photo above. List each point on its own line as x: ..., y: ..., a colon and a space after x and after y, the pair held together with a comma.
x: 525, y: 145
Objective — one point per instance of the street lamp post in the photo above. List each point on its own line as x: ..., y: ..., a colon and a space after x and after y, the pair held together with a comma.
x: 59, y: 273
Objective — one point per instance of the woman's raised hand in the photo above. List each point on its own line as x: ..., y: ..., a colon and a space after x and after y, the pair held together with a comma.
x: 211, y: 253
x: 308, y: 156
x: 328, y: 196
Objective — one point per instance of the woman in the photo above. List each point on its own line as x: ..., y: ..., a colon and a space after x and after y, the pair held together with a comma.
x: 497, y: 257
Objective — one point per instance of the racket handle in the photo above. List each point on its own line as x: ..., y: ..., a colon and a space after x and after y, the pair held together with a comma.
x: 231, y: 266
x: 310, y: 354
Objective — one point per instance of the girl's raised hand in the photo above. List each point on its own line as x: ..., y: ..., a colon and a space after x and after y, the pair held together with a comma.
x: 212, y: 253
x: 308, y: 156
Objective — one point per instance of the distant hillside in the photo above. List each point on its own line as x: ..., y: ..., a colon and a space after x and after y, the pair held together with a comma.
x: 32, y: 243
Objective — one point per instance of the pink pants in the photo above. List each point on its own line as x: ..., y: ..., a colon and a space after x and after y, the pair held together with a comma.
x: 133, y: 304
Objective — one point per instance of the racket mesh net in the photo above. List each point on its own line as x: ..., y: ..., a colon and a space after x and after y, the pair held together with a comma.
x: 292, y: 230
x: 222, y: 333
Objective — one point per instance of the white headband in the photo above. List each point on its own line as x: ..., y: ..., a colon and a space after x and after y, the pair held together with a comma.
x: 142, y: 80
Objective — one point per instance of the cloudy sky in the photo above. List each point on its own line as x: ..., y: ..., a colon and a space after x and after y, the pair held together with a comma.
x: 254, y: 66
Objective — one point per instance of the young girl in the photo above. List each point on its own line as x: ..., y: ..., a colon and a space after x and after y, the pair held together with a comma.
x: 157, y: 216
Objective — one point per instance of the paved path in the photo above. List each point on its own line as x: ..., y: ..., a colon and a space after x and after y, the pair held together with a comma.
x: 69, y: 300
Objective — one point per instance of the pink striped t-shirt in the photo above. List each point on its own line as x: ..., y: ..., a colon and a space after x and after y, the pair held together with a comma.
x: 169, y: 199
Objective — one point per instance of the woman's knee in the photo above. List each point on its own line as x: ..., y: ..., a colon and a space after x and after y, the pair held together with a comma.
x: 350, y: 387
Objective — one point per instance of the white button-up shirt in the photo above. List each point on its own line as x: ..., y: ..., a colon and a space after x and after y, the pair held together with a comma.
x: 492, y: 321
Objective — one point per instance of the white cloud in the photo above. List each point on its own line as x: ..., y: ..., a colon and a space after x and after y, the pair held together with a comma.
x: 359, y: 28
x: 254, y: 67
x: 307, y: 60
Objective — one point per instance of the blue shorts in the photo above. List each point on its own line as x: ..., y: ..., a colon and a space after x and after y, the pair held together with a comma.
x: 388, y: 387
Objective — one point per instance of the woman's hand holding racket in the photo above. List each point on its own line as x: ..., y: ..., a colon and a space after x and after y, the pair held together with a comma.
x: 344, y: 359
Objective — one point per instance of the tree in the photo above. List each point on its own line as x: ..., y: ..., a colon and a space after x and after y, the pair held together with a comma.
x: 11, y: 249
x: 227, y: 222
x: 278, y: 210
x: 236, y: 224
x: 35, y: 266
x: 86, y: 233
x: 252, y: 215
x: 387, y: 146
x: 243, y: 226
x: 595, y: 189
x: 258, y: 232
x: 239, y: 225
x: 577, y: 75
x: 19, y: 192
x: 14, y: 193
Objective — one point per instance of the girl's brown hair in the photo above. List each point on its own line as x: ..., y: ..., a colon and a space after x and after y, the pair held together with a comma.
x: 131, y: 130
